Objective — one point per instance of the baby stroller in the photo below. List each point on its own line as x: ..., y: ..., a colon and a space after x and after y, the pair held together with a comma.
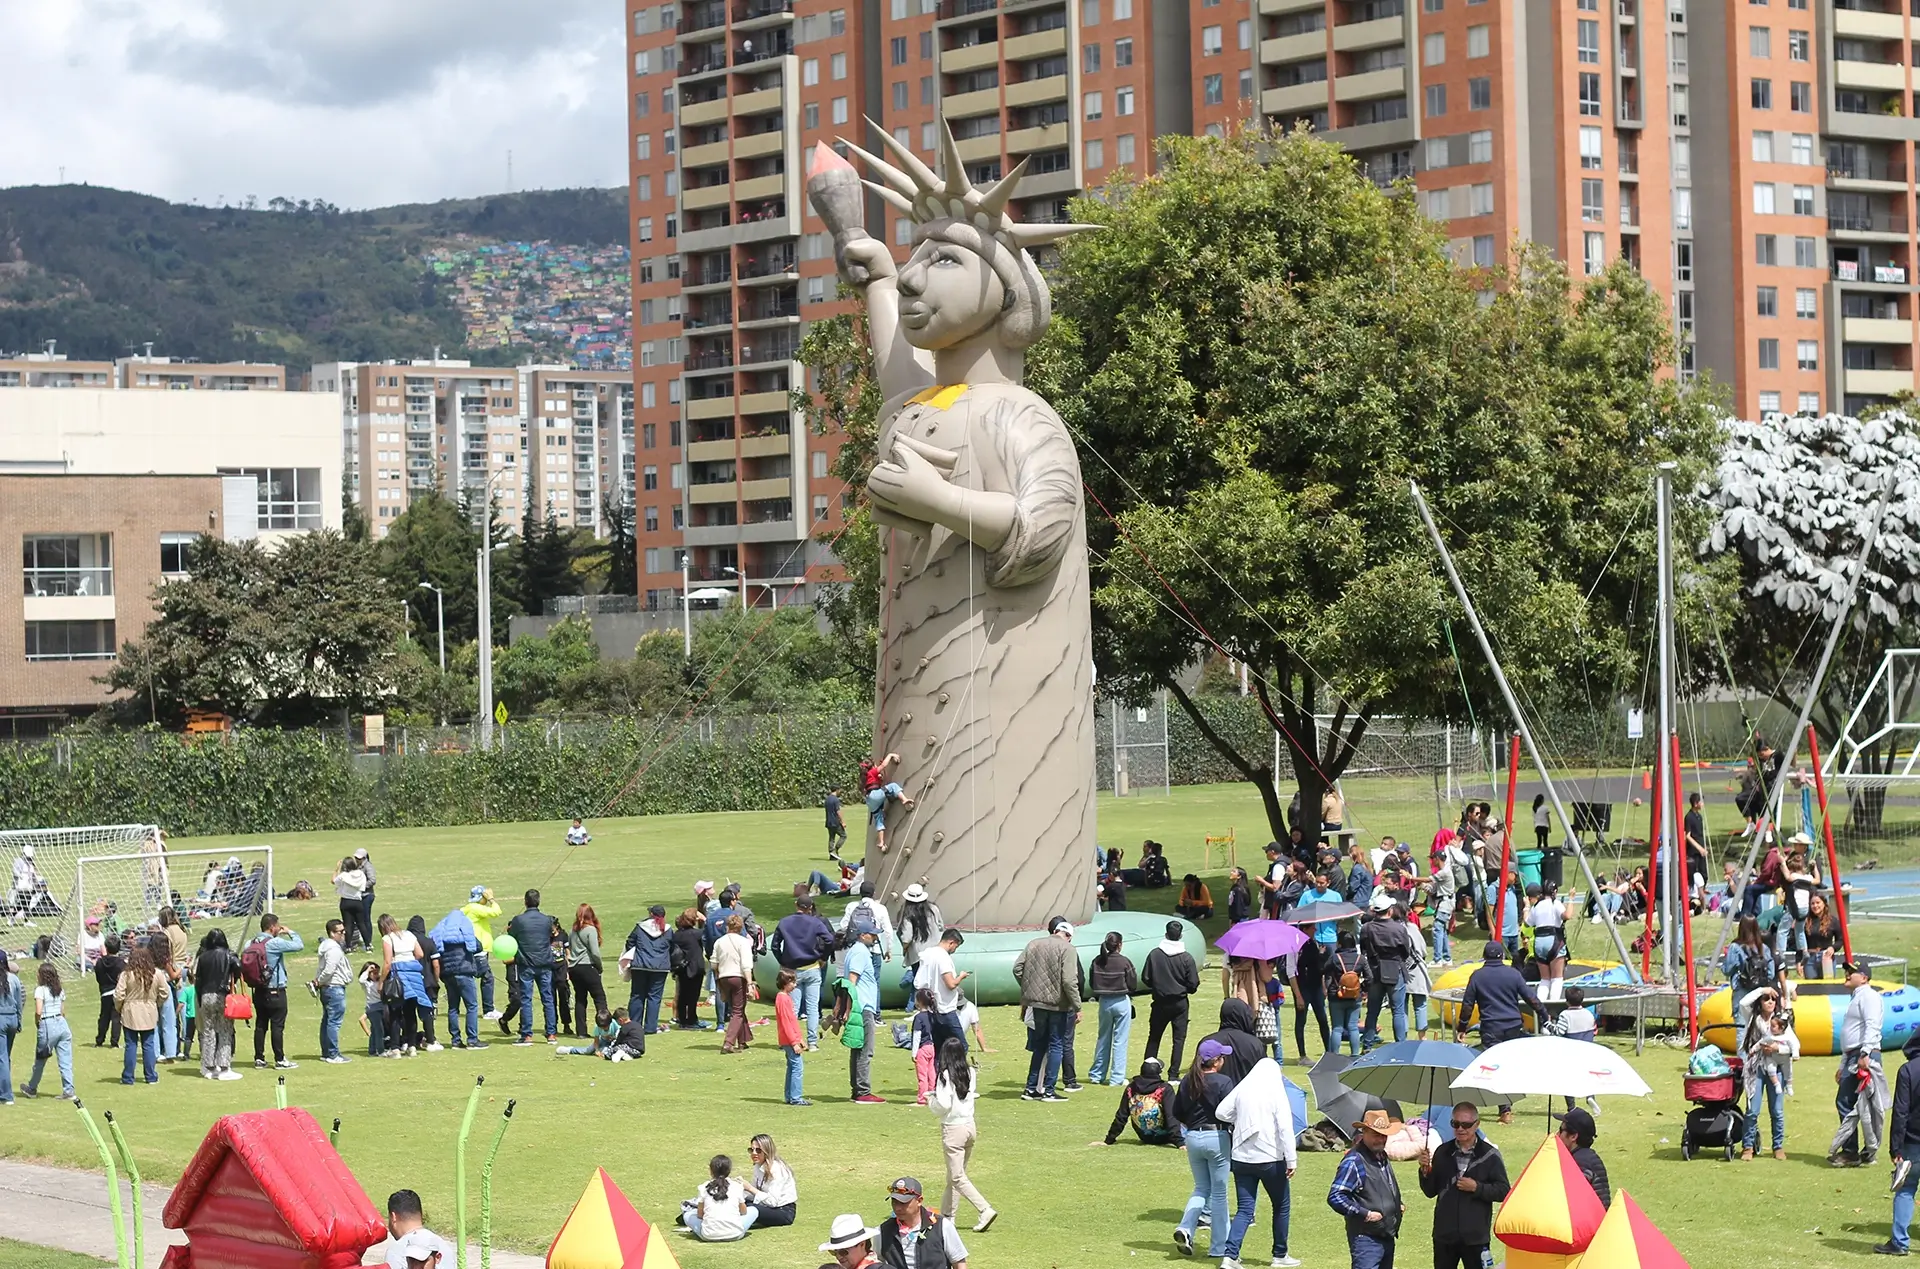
x: 1716, y: 1121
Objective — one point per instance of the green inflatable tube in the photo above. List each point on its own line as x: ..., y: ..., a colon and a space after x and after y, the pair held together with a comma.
x: 988, y: 956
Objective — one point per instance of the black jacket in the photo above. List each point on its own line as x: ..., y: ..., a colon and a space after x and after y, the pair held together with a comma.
x: 1460, y: 1217
x: 1591, y: 1167
x: 1170, y: 975
x: 1387, y: 947
x: 533, y: 931
x: 692, y: 945
x: 1141, y: 1086
x: 1903, y: 1133
x: 1236, y: 1032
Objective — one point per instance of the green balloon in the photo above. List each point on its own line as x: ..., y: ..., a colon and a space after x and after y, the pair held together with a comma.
x: 504, y: 947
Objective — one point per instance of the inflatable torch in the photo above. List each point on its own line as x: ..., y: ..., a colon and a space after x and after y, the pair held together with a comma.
x: 833, y: 187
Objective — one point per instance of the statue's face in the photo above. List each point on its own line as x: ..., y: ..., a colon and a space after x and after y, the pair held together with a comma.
x: 948, y: 295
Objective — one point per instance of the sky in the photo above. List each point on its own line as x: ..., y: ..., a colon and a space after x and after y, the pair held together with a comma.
x: 363, y: 103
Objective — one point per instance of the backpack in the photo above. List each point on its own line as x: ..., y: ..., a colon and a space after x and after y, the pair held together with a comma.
x: 1347, y: 987
x: 253, y: 963
x: 1750, y: 971
x: 1147, y: 1112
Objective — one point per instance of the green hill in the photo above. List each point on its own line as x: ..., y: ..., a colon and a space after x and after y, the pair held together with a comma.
x: 103, y: 271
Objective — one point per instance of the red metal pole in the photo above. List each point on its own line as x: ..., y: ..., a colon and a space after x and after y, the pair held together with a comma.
x: 1653, y: 875
x: 1686, y: 897
x: 1826, y: 830
x: 1506, y: 840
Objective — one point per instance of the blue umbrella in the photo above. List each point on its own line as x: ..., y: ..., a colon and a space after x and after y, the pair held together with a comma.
x: 1419, y: 1073
x: 1297, y: 1101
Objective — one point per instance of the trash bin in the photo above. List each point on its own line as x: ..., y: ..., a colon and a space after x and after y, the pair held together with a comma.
x: 1553, y: 866
x: 1527, y: 864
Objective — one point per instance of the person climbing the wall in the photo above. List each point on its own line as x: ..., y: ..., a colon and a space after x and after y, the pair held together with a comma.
x: 882, y: 790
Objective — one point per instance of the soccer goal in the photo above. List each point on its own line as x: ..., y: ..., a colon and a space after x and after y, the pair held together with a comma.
x: 122, y: 874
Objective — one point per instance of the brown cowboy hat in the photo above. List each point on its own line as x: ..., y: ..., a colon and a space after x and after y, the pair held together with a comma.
x: 1379, y: 1121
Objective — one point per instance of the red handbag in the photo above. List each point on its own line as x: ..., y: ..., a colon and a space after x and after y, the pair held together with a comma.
x: 237, y: 1007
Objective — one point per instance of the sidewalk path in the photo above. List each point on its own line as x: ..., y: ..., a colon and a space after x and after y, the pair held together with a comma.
x: 60, y: 1207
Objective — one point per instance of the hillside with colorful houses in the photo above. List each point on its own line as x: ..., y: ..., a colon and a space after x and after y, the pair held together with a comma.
x: 570, y: 302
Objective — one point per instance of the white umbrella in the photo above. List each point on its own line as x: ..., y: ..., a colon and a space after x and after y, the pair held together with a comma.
x: 1553, y: 1066
x: 711, y: 592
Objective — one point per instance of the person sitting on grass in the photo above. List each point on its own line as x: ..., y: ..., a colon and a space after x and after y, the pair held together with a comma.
x: 629, y: 1038
x: 577, y: 835
x: 718, y: 1212
x: 772, y: 1192
x: 1196, y: 901
x: 604, y: 1029
x: 1146, y: 1102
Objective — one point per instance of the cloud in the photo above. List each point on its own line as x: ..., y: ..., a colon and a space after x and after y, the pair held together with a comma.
x: 361, y: 102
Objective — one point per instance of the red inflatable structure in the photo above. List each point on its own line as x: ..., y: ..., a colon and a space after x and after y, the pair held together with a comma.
x: 266, y: 1190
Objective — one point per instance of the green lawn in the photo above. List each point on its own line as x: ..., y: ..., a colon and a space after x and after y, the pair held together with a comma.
x: 652, y: 1125
x: 26, y: 1256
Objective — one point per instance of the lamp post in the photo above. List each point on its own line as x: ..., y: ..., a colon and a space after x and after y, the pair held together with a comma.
x: 483, y: 566
x: 686, y: 605
x: 440, y: 601
x: 728, y: 568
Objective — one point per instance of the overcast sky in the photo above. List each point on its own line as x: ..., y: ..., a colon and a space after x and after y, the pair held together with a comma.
x: 360, y: 102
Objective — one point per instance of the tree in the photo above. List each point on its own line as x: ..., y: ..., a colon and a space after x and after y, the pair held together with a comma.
x: 1257, y: 355
x: 527, y: 677
x: 287, y: 637
x: 541, y: 560
x: 759, y: 661
x: 436, y: 540
x: 623, y: 559
x: 1791, y: 500
x: 353, y: 519
x: 848, y: 403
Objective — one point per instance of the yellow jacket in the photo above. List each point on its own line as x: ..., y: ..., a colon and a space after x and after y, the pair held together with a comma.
x: 482, y: 914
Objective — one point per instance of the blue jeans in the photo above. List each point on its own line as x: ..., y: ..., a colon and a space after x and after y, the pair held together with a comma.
x: 1611, y: 903
x: 796, y: 1063
x: 542, y: 977
x: 1047, y: 1043
x: 485, y: 974
x: 376, y: 1029
x: 333, y: 1011
x: 1248, y: 1178
x: 1207, y: 1157
x: 170, y: 1022
x: 1903, y: 1207
x: 643, y: 1003
x: 1397, y: 996
x: 6, y: 1064
x: 1370, y: 1251
x: 1344, y: 1020
x: 147, y: 1043
x: 1442, y: 941
x: 1776, y: 1096
x: 1109, y: 1065
x: 806, y: 1000
x: 463, y: 992
x: 56, y: 1037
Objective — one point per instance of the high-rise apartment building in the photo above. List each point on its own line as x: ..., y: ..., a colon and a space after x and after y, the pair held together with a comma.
x: 54, y: 370
x: 1749, y: 157
x: 560, y: 437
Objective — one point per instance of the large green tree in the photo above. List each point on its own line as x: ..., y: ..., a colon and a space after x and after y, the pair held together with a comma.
x: 437, y: 540
x: 1256, y: 356
x: 845, y: 402
x: 284, y: 637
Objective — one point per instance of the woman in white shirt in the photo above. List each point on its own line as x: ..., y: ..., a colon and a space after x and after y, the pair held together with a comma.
x: 732, y: 971
x: 350, y: 883
x: 1548, y: 917
x: 773, y: 1195
x: 718, y: 1211
x: 954, y: 1093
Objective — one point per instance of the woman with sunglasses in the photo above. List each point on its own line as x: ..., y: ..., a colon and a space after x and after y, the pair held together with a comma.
x: 1467, y: 1176
x: 773, y: 1193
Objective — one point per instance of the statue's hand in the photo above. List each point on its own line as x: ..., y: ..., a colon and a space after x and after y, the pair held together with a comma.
x: 911, y: 486
x: 865, y: 261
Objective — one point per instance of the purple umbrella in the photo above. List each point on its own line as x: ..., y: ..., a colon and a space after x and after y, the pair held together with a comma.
x: 1261, y: 940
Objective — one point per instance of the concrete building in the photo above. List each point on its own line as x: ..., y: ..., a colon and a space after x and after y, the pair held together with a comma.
x: 52, y: 369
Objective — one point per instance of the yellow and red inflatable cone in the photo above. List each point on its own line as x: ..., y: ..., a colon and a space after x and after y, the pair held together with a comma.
x: 604, y: 1232
x: 1551, y: 1209
x: 1628, y: 1240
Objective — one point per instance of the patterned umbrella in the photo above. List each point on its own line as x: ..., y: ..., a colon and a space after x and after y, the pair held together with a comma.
x: 1261, y: 940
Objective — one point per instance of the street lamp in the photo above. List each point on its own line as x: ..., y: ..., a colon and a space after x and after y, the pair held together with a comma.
x: 440, y: 601
x: 728, y: 568
x: 483, y: 567
x: 686, y: 604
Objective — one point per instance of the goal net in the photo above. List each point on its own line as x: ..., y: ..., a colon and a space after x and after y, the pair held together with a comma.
x: 122, y: 875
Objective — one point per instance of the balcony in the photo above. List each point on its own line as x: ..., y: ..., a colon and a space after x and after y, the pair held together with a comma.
x: 762, y: 12
x: 985, y: 101
x: 714, y: 491
x: 1293, y: 48
x: 710, y: 451
x: 1270, y: 8
x: 973, y: 57
x: 68, y: 583
x: 706, y: 196
x: 1377, y: 33
x: 760, y: 143
x: 765, y: 403
x: 771, y: 350
x: 761, y: 187
x: 1046, y: 137
x: 1391, y: 82
x: 1021, y: 48
x: 699, y: 112
x: 1866, y: 223
x: 1866, y: 24
x: 704, y: 155
x: 759, y: 102
x: 776, y: 267
x: 963, y: 8
x: 716, y: 359
x: 1872, y: 76
x: 1295, y: 98
x: 1849, y: 168
x: 761, y: 50
x: 757, y: 490
x: 702, y: 17
x: 1877, y: 330
x: 699, y: 279
x: 1879, y: 383
x: 1033, y: 91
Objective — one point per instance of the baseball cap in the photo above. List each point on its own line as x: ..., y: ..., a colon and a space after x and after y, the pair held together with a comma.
x: 702, y: 887
x: 422, y: 1244
x: 1381, y: 901
x: 360, y: 852
x: 1065, y: 927
x: 1494, y: 951
x: 1151, y: 1068
x: 1211, y: 1049
x: 1580, y: 1124
x: 1054, y: 923
x: 477, y: 893
x: 864, y: 927
x: 905, y: 1188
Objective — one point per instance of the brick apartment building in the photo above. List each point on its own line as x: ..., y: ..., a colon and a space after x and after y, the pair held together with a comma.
x: 1750, y: 157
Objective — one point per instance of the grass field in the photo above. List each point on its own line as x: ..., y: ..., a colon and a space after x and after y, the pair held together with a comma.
x: 654, y: 1124
x: 26, y: 1256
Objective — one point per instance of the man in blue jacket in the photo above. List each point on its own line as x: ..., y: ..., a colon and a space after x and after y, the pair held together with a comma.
x: 459, y: 945
x: 802, y: 942
x: 652, y: 946
x: 532, y: 931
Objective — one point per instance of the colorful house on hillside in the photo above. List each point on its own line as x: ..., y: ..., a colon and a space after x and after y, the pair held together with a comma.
x: 266, y: 1190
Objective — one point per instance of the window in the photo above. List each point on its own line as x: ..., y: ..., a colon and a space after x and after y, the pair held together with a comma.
x: 1123, y: 149
x: 1590, y: 94
x: 1587, y: 33
x: 1483, y: 251
x: 816, y: 290
x: 1436, y: 100
x: 1769, y: 403
x: 1479, y: 93
x: 1213, y: 90
x: 1683, y: 260
x: 928, y: 138
x: 649, y: 395
x: 1595, y: 256
x: 926, y: 45
x: 1682, y: 156
x: 1809, y: 403
x: 1805, y: 254
x: 1433, y: 6
x: 1436, y: 204
x: 1480, y: 146
x: 673, y: 182
x: 1434, y: 49
x: 1246, y: 85
x: 1096, y: 154
x: 643, y: 188
x: 652, y: 521
x: 901, y: 135
x: 1766, y: 249
x: 1683, y: 209
x: 1089, y: 12
x: 1683, y: 311
x: 643, y: 146
x: 838, y: 66
x: 70, y: 641
x: 1770, y: 354
x: 1123, y: 101
x: 897, y: 47
x: 1766, y: 301
x: 1807, y: 353
x: 1801, y: 149
x: 1804, y: 303
x: 837, y: 22
x: 1243, y: 33
x: 1479, y: 42
x: 1803, y: 200
x: 1593, y: 201
x: 1677, y: 94
x: 1763, y: 198
x: 1800, y: 98
x: 819, y: 507
x: 675, y: 476
x: 926, y: 90
x: 1677, y: 52
x: 810, y: 113
x: 1209, y: 41
x: 1123, y: 52
x: 1093, y: 105
x: 1089, y: 59
x: 839, y: 109
x: 1763, y: 147
x: 1122, y: 10
x: 69, y: 564
x: 810, y: 72
x: 1590, y: 157
x: 290, y: 497
x: 902, y: 231
x: 1760, y: 92
x: 650, y: 477
x: 1760, y: 41
x: 1799, y: 46
x: 900, y: 95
